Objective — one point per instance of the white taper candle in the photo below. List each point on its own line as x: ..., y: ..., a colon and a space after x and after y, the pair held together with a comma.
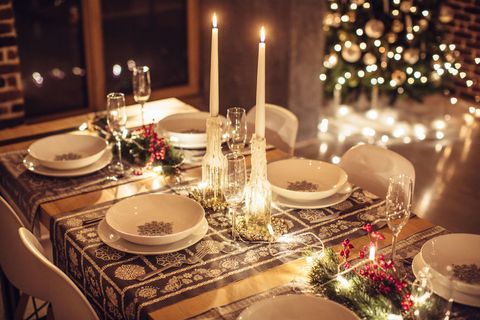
x: 214, y: 100
x: 260, y: 101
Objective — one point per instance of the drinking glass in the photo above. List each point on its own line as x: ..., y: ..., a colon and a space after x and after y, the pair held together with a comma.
x: 236, y: 129
x: 398, y: 205
x: 117, y: 121
x: 141, y: 86
x: 234, y: 191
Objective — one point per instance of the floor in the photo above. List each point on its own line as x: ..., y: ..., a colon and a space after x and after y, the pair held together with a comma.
x: 447, y: 190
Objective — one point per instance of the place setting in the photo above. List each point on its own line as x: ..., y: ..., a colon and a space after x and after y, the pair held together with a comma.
x: 451, y: 264
x: 153, y: 224
x: 67, y: 155
x: 308, y: 184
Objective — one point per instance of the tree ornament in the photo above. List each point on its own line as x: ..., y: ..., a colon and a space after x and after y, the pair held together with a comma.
x: 449, y: 57
x: 352, y: 17
x: 374, y: 28
x: 435, y: 77
x: 391, y: 37
x: 397, y: 26
x: 399, y: 77
x: 446, y: 14
x: 369, y: 58
x: 342, y: 35
x: 352, y: 53
x: 328, y: 20
x: 336, y: 20
x: 423, y: 24
x: 406, y: 5
x: 411, y: 55
x: 330, y: 60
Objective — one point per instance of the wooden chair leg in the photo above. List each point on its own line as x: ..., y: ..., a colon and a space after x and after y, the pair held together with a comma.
x: 21, y: 306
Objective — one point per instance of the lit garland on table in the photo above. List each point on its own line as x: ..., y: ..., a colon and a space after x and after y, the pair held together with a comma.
x: 372, y: 287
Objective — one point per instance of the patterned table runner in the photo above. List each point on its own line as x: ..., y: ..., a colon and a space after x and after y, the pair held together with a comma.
x: 406, y: 249
x: 107, y: 276
x: 26, y: 191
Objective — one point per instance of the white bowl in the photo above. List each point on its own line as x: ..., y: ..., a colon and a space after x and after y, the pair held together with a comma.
x: 442, y: 289
x: 446, y: 250
x: 304, y: 179
x: 186, y: 130
x: 296, y: 307
x: 68, y: 151
x: 155, y: 219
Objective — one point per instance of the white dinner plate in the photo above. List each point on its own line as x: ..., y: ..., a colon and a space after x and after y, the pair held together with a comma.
x: 440, y: 289
x: 304, y: 179
x: 186, y: 130
x: 296, y: 307
x: 34, y: 166
x: 113, y: 239
x: 443, y: 251
x: 313, y: 204
x: 155, y: 219
x: 68, y: 151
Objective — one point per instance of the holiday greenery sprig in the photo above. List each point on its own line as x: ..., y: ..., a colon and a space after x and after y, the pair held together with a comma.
x: 371, y: 287
x: 143, y: 147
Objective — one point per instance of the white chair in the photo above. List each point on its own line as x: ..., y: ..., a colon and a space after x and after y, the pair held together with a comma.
x: 370, y: 167
x: 280, y: 121
x: 26, y: 267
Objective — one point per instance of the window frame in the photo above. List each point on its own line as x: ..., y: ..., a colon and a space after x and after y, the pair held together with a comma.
x: 94, y: 59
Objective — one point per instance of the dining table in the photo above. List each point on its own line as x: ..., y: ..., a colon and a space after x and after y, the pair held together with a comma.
x: 233, y: 274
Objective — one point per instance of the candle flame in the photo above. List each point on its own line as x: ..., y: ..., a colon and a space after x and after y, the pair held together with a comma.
x: 214, y: 20
x: 371, y: 255
x: 262, y: 34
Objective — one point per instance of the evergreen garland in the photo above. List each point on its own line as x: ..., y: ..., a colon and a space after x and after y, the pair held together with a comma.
x: 372, y: 289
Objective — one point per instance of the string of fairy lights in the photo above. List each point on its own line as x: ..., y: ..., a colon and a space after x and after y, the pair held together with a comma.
x: 351, y: 39
x: 395, y: 48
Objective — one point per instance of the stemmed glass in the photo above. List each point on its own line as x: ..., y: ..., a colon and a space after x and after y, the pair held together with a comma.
x: 234, y: 191
x: 236, y: 129
x: 141, y: 86
x: 398, y: 205
x: 117, y: 122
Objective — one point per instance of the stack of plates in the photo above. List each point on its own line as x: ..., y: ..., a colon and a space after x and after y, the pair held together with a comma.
x: 460, y: 252
x: 308, y: 184
x: 153, y: 224
x: 187, y: 131
x: 296, y: 307
x: 67, y: 155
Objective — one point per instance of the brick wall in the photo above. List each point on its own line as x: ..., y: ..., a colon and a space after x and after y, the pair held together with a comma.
x: 11, y: 95
x: 464, y: 32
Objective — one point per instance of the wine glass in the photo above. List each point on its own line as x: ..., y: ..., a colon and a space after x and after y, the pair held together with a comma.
x: 234, y: 191
x: 141, y: 86
x: 117, y: 122
x: 398, y: 205
x: 236, y: 129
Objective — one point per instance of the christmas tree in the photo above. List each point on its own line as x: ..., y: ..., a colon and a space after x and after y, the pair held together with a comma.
x: 391, y: 46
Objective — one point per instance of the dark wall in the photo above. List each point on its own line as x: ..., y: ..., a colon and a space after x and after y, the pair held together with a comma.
x: 239, y: 24
x: 294, y: 52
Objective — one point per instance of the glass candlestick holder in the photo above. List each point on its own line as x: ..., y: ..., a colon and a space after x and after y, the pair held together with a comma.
x: 257, y: 222
x: 214, y: 163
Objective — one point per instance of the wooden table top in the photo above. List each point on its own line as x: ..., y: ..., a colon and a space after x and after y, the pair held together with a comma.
x: 219, y: 296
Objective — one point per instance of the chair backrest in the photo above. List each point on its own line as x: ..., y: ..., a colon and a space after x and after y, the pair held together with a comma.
x: 370, y: 167
x: 23, y: 262
x: 280, y: 121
